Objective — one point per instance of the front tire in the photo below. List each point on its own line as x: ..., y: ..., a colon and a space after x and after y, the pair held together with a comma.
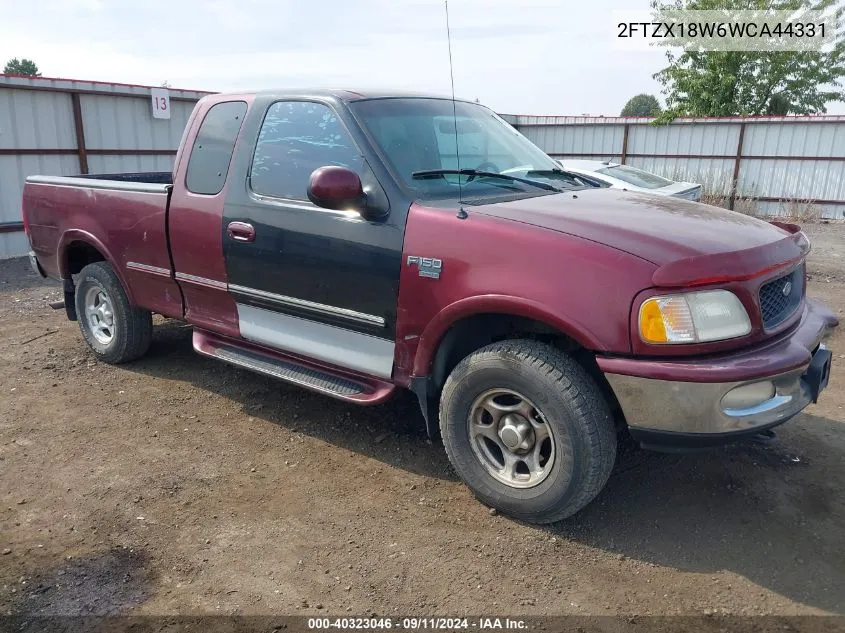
x: 115, y: 331
x: 528, y: 430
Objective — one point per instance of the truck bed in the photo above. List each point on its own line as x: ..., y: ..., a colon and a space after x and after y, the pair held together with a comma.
x: 123, y: 215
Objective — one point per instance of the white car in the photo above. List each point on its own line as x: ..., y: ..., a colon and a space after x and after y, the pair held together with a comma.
x: 616, y: 176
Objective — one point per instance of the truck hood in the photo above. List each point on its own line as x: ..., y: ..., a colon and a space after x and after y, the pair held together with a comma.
x: 658, y: 229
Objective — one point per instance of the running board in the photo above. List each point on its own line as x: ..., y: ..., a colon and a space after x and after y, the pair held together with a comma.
x: 331, y: 382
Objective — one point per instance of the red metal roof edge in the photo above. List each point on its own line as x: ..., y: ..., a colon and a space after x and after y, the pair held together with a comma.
x: 103, y: 83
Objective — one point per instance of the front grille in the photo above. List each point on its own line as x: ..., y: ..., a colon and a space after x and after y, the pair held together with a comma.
x: 780, y: 297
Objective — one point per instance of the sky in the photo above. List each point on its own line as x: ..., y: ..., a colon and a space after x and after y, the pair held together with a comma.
x: 516, y: 56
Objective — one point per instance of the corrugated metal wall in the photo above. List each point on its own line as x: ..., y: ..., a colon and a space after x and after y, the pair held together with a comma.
x: 38, y: 127
x: 782, y: 165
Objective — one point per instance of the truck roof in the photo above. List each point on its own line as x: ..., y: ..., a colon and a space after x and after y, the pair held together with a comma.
x: 341, y: 94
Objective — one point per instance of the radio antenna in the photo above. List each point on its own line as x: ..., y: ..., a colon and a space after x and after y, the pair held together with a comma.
x: 461, y: 213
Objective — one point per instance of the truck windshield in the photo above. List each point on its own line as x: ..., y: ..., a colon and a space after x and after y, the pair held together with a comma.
x: 417, y: 136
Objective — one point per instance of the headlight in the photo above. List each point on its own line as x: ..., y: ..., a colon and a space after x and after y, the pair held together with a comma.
x: 695, y: 317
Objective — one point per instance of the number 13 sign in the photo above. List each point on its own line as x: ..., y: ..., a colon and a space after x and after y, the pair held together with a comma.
x: 161, y: 103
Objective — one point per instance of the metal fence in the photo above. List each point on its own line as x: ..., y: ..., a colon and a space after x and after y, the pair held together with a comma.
x: 65, y: 127
x: 779, y: 164
x: 771, y: 165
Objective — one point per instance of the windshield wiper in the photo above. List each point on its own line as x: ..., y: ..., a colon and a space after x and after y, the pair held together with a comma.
x: 546, y: 172
x: 555, y: 173
x: 473, y: 173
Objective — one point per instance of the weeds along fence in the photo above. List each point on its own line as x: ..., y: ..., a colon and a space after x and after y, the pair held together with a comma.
x: 769, y: 166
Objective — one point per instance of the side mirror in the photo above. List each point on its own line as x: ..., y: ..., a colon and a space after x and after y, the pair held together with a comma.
x: 337, y: 188
x: 340, y: 189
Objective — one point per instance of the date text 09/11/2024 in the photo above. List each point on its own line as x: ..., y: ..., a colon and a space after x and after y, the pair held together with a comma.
x: 418, y: 624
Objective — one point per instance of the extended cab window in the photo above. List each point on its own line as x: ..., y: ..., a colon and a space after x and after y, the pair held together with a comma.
x: 211, y: 154
x: 296, y: 138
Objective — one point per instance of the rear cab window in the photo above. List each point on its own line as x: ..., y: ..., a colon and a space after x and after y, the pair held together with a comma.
x: 211, y: 153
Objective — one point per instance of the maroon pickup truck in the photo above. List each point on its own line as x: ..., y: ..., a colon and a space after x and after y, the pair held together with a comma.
x: 355, y: 243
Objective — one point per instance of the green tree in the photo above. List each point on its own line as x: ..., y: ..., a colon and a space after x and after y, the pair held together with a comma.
x: 17, y: 66
x: 641, y: 105
x: 740, y: 83
x: 778, y: 105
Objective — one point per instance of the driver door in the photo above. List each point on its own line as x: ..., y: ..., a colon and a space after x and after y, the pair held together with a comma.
x: 307, y: 280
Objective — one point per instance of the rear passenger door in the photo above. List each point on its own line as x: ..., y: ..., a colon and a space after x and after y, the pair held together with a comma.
x: 196, y: 211
x: 308, y: 280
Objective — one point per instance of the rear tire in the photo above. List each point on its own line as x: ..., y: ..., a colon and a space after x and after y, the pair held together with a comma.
x: 115, y: 331
x: 528, y: 430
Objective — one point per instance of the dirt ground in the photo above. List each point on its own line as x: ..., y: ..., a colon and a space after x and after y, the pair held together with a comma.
x: 176, y: 484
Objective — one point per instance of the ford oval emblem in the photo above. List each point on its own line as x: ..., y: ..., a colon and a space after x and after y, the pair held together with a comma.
x: 787, y: 288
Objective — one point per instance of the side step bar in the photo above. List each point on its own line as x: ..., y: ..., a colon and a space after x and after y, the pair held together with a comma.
x: 331, y: 382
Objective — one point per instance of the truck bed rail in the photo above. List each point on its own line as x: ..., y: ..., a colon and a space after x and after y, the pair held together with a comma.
x: 159, y: 177
x: 99, y: 182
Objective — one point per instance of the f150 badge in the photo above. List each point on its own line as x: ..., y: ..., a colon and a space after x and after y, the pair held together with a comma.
x: 428, y: 266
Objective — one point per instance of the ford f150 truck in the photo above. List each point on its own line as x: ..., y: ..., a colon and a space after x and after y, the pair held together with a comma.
x: 355, y: 243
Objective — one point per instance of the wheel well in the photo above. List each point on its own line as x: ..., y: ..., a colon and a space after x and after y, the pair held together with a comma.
x: 472, y: 333
x: 79, y: 254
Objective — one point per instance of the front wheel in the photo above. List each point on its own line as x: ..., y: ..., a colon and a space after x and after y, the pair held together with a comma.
x: 115, y: 331
x: 528, y: 430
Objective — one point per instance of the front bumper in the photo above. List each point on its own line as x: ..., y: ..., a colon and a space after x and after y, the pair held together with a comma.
x: 680, y: 402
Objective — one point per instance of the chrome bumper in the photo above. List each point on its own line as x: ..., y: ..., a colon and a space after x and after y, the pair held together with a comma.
x: 696, y: 409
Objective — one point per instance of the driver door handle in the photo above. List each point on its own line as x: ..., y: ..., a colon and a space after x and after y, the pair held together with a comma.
x: 241, y: 231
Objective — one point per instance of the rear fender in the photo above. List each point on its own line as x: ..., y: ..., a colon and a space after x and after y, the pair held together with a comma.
x: 78, y: 235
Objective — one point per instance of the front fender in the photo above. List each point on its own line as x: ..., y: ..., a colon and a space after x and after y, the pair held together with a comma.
x: 436, y: 329
x: 580, y: 288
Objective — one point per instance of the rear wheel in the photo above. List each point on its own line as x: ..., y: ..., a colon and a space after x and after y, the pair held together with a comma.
x: 115, y: 331
x: 528, y: 430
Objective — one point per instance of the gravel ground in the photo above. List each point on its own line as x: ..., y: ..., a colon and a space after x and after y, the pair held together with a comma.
x: 179, y: 485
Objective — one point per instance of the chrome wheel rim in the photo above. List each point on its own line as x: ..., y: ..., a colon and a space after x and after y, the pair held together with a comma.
x: 100, y: 315
x: 511, y: 438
